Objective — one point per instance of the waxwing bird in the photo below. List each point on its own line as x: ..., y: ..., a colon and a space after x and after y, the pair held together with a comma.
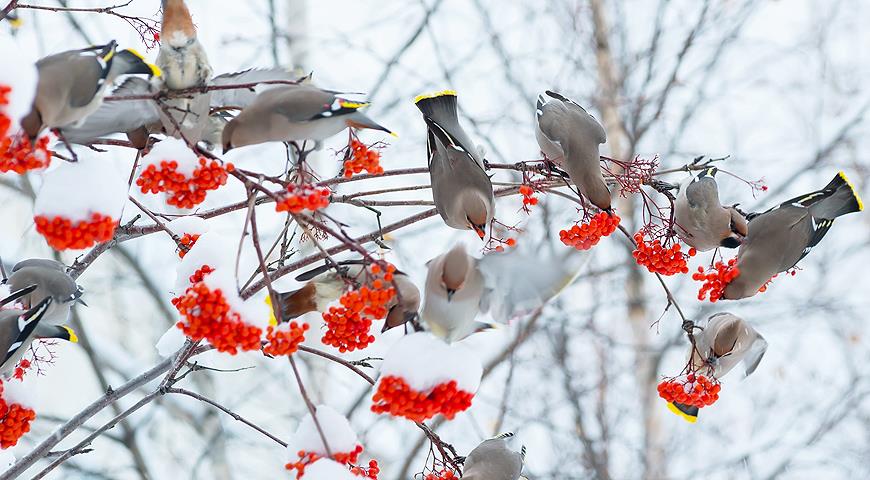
x: 569, y: 137
x: 18, y: 329
x: 724, y: 342
x: 460, y: 186
x: 34, y: 279
x: 295, y: 112
x: 185, y: 65
x: 701, y: 221
x: 454, y: 291
x: 525, y: 278
x: 72, y: 84
x: 325, y: 285
x: 780, y: 237
x: 494, y: 460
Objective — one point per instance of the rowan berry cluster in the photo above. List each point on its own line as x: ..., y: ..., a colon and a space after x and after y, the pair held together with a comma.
x: 395, y: 397
x: 362, y: 157
x: 63, y: 234
x: 284, y: 340
x: 529, y: 198
x: 183, y: 192
x: 187, y: 241
x: 303, y: 196
x: 348, y: 458
x: 442, y: 475
x: 658, y: 259
x: 716, y: 279
x: 586, y: 235
x: 15, y: 421
x: 348, y: 324
x: 16, y: 152
x: 694, y: 390
x: 207, y: 315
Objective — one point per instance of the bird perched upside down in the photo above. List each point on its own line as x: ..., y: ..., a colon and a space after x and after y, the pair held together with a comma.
x: 35, y: 279
x: 701, y: 220
x: 780, y: 237
x: 18, y: 329
x: 724, y: 342
x: 460, y: 186
x: 569, y: 137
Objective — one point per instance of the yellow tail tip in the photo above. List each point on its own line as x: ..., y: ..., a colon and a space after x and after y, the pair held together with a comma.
x: 394, y: 134
x: 15, y: 22
x: 155, y: 70
x: 442, y: 93
x: 72, y: 335
x: 854, y: 191
x: 673, y: 408
x: 273, y: 321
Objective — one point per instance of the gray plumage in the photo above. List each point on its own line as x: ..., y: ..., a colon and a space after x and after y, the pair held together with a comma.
x: 51, y: 280
x: 294, y: 113
x: 525, y: 278
x: 701, y: 220
x: 493, y: 459
x: 780, y: 237
x: 724, y: 342
x: 569, y: 137
x: 71, y: 84
x: 453, y: 291
x: 18, y: 328
x: 461, y: 189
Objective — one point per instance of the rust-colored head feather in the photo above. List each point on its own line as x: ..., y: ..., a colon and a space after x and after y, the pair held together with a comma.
x: 177, y: 28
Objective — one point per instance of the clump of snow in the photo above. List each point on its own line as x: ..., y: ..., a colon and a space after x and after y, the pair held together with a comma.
x: 170, y: 149
x: 77, y: 190
x: 19, y: 72
x: 190, y: 224
x: 210, y: 249
x: 336, y: 429
x: 326, y: 469
x: 22, y: 392
x: 425, y: 361
x: 171, y: 342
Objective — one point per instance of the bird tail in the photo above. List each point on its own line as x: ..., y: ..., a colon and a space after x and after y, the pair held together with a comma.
x: 837, y: 198
x: 686, y: 412
x: 708, y: 172
x: 293, y: 304
x: 440, y: 106
x: 62, y: 332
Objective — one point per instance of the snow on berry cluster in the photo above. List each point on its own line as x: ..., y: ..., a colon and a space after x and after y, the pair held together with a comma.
x: 716, y: 279
x: 586, y: 235
x: 349, y: 323
x: 362, y: 157
x: 693, y: 390
x: 16, y: 413
x: 658, y: 259
x: 303, y: 196
x: 188, y: 229
x: 186, y: 178
x: 209, y: 303
x: 423, y: 376
x: 306, y: 449
x: 69, y: 219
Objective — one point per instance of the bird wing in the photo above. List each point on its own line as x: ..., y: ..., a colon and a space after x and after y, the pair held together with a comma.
x: 24, y: 325
x: 118, y: 116
x: 39, y: 262
x: 754, y: 354
x: 582, y: 115
x: 242, y: 97
x: 305, y: 103
x: 87, y: 75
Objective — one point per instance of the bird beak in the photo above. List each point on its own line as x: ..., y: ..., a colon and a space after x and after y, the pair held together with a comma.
x: 481, y: 231
x: 450, y: 293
